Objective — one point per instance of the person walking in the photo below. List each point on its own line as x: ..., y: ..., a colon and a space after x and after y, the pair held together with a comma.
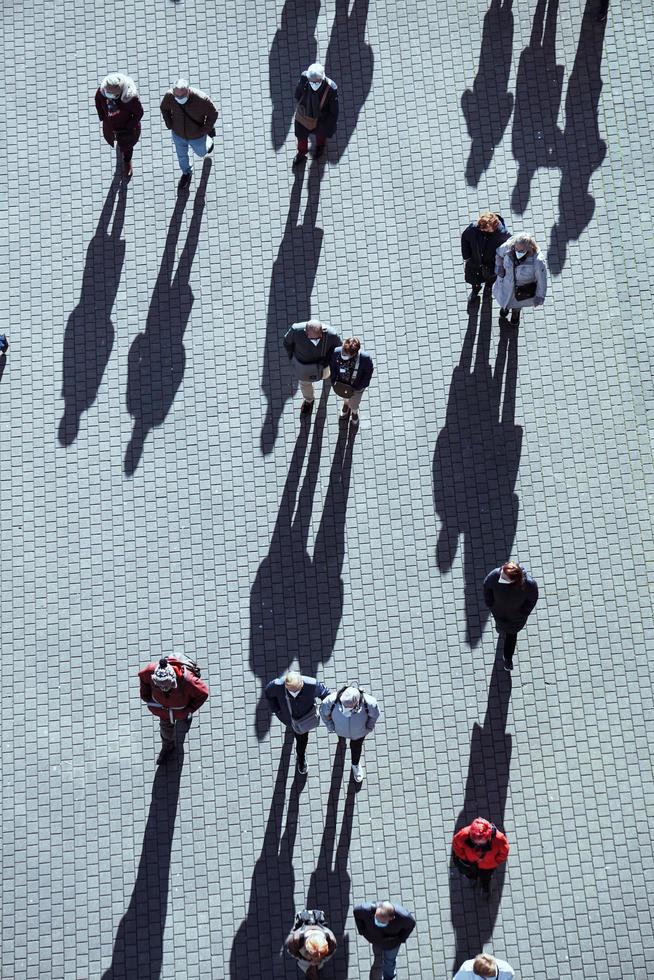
x: 521, y: 276
x: 292, y: 699
x: 479, y: 243
x: 351, y: 714
x: 120, y: 112
x: 316, y: 111
x: 4, y: 343
x: 386, y: 927
x: 351, y: 369
x: 309, y: 347
x: 311, y: 943
x: 478, y: 850
x: 510, y: 593
x: 191, y: 117
x: 173, y: 691
x: 485, y: 965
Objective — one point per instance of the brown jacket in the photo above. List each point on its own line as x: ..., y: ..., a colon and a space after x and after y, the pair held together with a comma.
x: 192, y: 120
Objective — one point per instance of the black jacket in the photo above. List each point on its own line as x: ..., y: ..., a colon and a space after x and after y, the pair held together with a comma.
x: 478, y: 247
x: 394, y: 934
x: 301, y: 705
x: 509, y: 604
x: 328, y: 117
x: 364, y: 373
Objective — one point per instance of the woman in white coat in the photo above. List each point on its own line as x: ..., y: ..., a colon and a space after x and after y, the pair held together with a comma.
x: 521, y: 276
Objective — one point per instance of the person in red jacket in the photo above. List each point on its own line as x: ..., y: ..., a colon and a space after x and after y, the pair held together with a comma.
x: 173, y: 693
x: 478, y: 850
x: 120, y: 112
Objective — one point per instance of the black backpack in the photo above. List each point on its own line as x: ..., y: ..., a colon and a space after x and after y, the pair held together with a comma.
x: 309, y: 917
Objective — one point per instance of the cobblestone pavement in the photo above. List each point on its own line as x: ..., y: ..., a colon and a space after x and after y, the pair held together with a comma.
x: 157, y: 490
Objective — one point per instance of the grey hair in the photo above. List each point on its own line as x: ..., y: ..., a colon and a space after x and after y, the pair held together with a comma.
x: 523, y: 242
x: 127, y: 84
x: 181, y: 83
x: 315, y: 72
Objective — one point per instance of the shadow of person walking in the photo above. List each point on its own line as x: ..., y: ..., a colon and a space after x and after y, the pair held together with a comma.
x: 157, y: 358
x: 138, y: 948
x: 473, y: 918
x: 488, y: 106
x: 89, y: 335
x: 351, y: 63
x: 289, y: 299
x: 296, y: 601
x: 329, y: 887
x: 476, y: 462
x: 257, y: 949
x: 582, y: 151
x: 293, y: 49
x: 539, y: 84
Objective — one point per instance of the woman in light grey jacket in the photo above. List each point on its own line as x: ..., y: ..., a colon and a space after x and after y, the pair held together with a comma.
x: 351, y: 714
x: 521, y: 276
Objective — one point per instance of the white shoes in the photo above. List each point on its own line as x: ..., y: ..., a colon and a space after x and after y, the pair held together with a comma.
x: 357, y: 773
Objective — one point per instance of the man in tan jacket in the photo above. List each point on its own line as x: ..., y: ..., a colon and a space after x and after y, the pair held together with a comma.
x: 191, y: 116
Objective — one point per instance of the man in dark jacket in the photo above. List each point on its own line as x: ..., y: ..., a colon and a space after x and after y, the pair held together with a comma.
x: 309, y: 347
x: 191, y: 117
x: 292, y: 699
x: 316, y: 112
x: 386, y: 927
x: 351, y: 368
x: 479, y: 242
x: 510, y: 593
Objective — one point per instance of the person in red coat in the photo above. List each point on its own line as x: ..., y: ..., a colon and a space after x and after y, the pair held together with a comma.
x: 120, y: 112
x: 479, y: 849
x: 173, y: 693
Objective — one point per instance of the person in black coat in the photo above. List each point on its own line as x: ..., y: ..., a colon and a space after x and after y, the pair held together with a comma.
x: 479, y: 242
x: 293, y: 697
x: 510, y: 593
x: 386, y: 927
x: 316, y: 111
x: 351, y: 370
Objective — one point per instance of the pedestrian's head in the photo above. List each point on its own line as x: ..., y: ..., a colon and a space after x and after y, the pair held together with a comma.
x: 293, y: 682
x: 522, y: 244
x: 480, y: 831
x: 488, y: 222
x: 511, y: 573
x: 314, y: 329
x: 350, y: 699
x: 164, y: 677
x: 315, y: 944
x: 351, y: 347
x: 316, y: 75
x: 485, y: 965
x: 384, y: 913
x: 118, y: 86
x: 181, y: 89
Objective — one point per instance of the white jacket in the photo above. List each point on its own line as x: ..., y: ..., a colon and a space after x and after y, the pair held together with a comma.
x: 533, y: 268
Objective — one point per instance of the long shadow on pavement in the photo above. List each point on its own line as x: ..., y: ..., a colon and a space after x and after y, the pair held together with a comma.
x: 476, y: 462
x: 293, y: 49
x: 351, y: 63
x: 473, y: 917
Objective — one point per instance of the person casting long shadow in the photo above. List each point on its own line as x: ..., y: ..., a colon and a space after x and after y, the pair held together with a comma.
x: 476, y: 462
x: 138, y: 948
x: 294, y: 47
x: 157, y: 358
x: 257, y: 946
x: 350, y: 62
x: 488, y: 106
x: 329, y: 887
x: 296, y: 601
x: 539, y: 84
x: 289, y: 299
x: 89, y: 335
x: 582, y: 150
x: 473, y: 917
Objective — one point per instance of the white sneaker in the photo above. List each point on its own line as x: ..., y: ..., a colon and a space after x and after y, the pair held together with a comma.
x: 357, y: 772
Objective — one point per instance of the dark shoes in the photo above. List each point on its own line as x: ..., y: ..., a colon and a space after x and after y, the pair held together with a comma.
x: 184, y: 181
x: 210, y: 148
x: 354, y: 419
x: 508, y: 663
x: 128, y: 171
x: 473, y: 298
x: 306, y: 408
x: 302, y: 767
x: 167, y: 750
x: 299, y: 159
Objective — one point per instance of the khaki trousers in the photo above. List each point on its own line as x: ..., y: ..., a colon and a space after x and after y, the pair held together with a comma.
x: 306, y: 387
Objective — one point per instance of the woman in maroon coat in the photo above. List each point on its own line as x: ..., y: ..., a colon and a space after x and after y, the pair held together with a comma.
x: 120, y: 112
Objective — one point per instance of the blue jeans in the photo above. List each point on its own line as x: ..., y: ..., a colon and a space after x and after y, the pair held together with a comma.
x: 389, y: 956
x: 198, y: 146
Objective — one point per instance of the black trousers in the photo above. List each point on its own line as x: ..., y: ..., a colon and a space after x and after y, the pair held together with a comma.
x: 510, y: 640
x: 301, y: 742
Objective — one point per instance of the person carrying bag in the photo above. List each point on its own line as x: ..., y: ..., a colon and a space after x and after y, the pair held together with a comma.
x: 351, y: 370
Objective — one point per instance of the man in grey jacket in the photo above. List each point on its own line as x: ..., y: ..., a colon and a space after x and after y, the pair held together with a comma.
x: 190, y: 115
x: 351, y: 714
x: 309, y: 347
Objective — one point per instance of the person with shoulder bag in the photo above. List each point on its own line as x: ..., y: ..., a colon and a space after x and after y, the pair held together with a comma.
x: 479, y: 243
x: 309, y: 347
x: 351, y: 370
x: 351, y: 713
x: 293, y: 699
x: 316, y: 112
x: 521, y: 276
x: 191, y: 117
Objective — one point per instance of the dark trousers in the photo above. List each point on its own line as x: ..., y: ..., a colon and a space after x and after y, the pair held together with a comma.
x: 356, y: 748
x: 475, y: 873
x: 510, y: 640
x: 303, y: 142
x: 515, y: 314
x: 301, y: 742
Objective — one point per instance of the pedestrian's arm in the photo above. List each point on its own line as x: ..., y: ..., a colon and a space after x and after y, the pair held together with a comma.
x: 466, y: 250
x: 325, y: 710
x: 333, y: 341
x: 271, y: 695
x: 301, y: 88
x: 501, y: 850
x: 198, y: 694
x: 530, y: 600
x: 322, y: 692
x: 541, y: 283
x: 166, y: 111
x: 136, y: 109
x: 499, y: 264
x: 146, y: 689
x: 409, y: 926
x: 489, y: 595
x: 99, y: 105
x: 289, y: 342
x: 211, y: 115
x: 458, y: 845
x: 367, y: 374
x: 373, y: 715
x: 359, y: 920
